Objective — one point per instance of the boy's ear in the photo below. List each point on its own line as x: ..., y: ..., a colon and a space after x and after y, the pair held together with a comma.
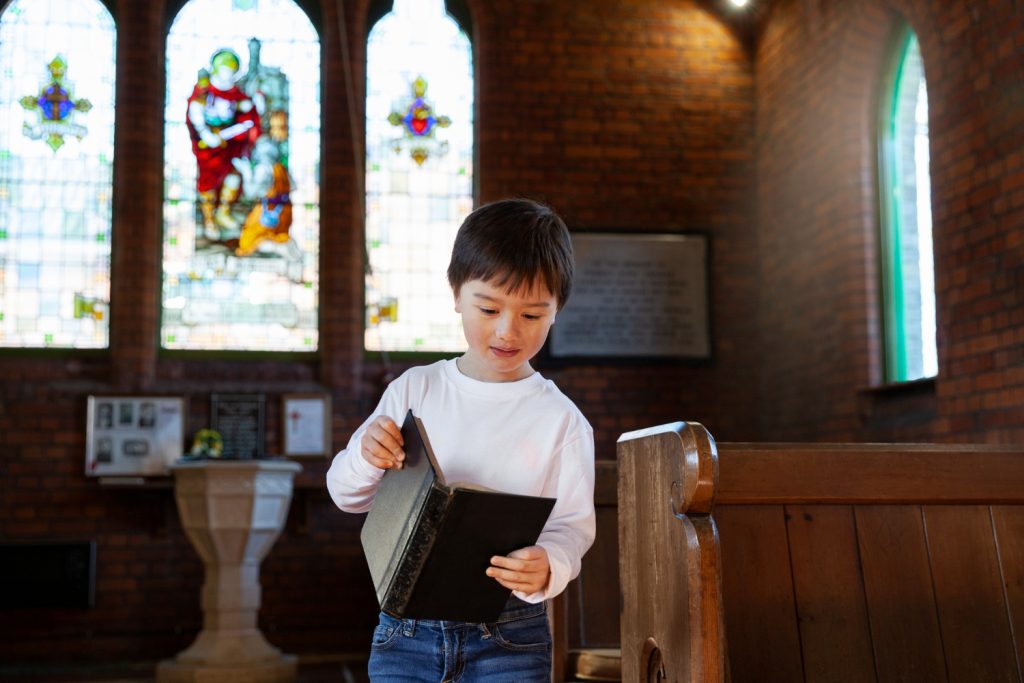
x: 458, y: 301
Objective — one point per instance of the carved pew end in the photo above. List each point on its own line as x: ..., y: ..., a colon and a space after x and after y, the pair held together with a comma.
x: 672, y: 622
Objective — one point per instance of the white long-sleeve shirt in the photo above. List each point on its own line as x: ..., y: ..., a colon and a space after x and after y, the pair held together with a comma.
x: 523, y: 437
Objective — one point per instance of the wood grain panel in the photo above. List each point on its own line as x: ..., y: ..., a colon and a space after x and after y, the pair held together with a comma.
x: 557, y: 618
x: 834, y: 631
x: 704, y: 579
x: 650, y: 541
x: 869, y: 473
x: 572, y: 609
x: 586, y: 614
x: 599, y: 586
x: 901, y: 602
x: 669, y: 557
x: 606, y: 482
x: 969, y: 594
x: 1009, y: 526
x: 760, y: 612
x: 591, y: 609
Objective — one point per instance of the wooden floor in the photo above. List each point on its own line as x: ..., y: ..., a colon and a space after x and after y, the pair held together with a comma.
x: 314, y: 671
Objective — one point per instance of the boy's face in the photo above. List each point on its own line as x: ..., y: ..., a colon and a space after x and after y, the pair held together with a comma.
x: 504, y: 330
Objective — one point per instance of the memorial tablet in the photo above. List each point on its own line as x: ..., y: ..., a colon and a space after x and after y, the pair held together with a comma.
x: 239, y: 420
x: 636, y: 295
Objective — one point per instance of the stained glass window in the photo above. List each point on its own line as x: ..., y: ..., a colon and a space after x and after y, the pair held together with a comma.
x: 56, y: 151
x: 908, y: 263
x: 419, y: 174
x: 242, y: 169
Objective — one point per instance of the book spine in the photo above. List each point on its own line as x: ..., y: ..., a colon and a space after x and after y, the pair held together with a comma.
x: 417, y: 550
x: 408, y: 530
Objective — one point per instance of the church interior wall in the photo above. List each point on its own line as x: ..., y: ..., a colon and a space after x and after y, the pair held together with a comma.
x: 631, y: 116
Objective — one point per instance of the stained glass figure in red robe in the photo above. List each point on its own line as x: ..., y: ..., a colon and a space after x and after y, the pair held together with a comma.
x: 223, y: 124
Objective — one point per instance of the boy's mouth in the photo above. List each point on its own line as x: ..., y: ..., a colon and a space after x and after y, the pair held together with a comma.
x: 504, y: 353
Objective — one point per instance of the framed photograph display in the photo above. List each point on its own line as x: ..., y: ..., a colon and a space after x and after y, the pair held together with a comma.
x: 636, y: 295
x: 306, y: 425
x: 133, y: 435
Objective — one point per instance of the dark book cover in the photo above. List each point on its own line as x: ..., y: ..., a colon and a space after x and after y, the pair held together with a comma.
x: 428, y: 545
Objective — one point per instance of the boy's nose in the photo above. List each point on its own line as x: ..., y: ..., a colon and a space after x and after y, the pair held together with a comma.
x: 506, y: 329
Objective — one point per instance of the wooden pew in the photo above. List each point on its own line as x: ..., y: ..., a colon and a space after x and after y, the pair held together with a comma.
x: 669, y: 561
x: 585, y: 618
x: 872, y: 562
x: 839, y: 562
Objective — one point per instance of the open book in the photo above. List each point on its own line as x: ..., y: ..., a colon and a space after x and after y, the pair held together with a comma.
x: 428, y: 545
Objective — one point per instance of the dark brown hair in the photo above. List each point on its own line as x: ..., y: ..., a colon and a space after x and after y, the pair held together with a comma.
x: 514, y: 243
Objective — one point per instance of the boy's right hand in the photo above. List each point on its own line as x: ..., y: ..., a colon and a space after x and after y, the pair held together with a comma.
x: 381, y: 445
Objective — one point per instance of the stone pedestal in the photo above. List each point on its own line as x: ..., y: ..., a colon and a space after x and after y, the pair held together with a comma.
x: 232, y: 511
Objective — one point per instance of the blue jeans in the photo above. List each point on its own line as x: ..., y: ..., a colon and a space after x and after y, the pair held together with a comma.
x: 514, y: 649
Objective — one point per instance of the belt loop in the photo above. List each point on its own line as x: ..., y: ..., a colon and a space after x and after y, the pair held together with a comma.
x: 408, y: 627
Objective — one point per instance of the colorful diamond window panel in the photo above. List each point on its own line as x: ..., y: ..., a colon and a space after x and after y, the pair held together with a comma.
x: 55, y: 107
x: 418, y: 124
x: 419, y: 175
x: 56, y: 174
x: 241, y: 202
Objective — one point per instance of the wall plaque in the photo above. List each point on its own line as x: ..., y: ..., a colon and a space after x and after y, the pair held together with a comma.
x: 636, y: 295
x: 239, y: 420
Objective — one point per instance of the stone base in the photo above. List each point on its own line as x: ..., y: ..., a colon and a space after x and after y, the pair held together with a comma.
x: 269, y: 671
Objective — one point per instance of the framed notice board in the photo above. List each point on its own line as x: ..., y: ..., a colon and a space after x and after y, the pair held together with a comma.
x: 133, y: 435
x: 307, y: 425
x: 636, y: 295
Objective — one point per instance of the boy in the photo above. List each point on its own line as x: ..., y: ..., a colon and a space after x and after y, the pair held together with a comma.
x: 495, y: 422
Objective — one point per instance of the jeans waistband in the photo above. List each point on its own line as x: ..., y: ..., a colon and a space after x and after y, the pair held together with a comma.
x: 514, y: 609
x: 520, y: 609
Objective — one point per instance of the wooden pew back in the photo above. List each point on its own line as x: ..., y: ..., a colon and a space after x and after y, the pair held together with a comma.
x: 848, y: 562
x: 868, y: 562
x: 586, y: 616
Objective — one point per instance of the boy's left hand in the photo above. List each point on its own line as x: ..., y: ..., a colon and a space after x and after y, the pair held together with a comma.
x: 526, y: 570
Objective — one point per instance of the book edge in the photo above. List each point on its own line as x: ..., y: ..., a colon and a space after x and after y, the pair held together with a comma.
x: 428, y: 449
x: 413, y: 559
x: 409, y: 530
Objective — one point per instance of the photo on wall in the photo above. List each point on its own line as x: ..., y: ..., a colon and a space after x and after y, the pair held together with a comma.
x: 133, y: 435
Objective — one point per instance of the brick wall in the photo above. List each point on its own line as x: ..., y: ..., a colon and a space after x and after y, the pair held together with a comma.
x: 632, y: 116
x: 819, y: 68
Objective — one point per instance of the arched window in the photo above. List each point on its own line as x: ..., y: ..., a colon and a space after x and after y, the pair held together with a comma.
x: 419, y: 174
x: 56, y: 155
x: 908, y: 267
x: 242, y: 178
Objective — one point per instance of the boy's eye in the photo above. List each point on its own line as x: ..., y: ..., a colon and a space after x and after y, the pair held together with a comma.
x: 531, y: 316
x: 488, y: 311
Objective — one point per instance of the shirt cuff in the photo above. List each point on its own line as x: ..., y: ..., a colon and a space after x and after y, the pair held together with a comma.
x: 558, y: 578
x: 364, y: 468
